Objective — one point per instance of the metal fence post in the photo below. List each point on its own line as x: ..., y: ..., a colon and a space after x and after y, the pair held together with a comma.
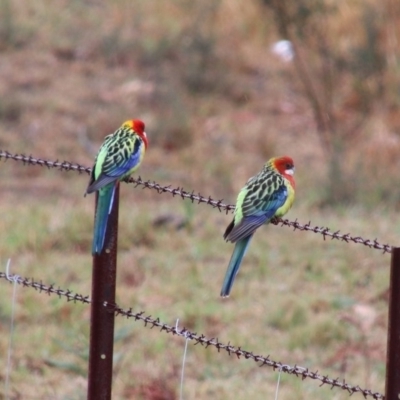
x: 101, y: 319
x: 392, y: 390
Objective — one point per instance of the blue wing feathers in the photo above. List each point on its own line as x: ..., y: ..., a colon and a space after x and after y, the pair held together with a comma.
x: 121, y: 169
x: 248, y: 225
x: 101, y: 181
x: 277, y: 199
x: 116, y: 171
x: 256, y: 217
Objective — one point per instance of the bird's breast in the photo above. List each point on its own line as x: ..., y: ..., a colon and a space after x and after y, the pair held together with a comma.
x: 287, y: 205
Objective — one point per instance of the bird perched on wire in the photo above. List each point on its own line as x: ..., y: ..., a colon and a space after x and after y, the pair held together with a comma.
x: 267, y: 195
x: 119, y: 156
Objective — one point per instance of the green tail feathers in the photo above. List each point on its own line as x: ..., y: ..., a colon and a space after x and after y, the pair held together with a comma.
x: 234, y: 264
x: 106, y: 197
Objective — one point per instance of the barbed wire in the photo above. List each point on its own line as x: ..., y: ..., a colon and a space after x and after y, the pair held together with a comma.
x: 198, y: 198
x: 150, y: 322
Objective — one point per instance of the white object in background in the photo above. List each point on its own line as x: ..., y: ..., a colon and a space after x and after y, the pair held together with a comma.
x: 284, y: 50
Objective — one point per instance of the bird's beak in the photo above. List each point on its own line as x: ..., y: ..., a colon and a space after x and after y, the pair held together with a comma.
x: 290, y: 171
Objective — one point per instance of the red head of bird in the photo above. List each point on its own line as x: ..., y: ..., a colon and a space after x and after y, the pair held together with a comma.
x: 285, y: 166
x: 138, y: 126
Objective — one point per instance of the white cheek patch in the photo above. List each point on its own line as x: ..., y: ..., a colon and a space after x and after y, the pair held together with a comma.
x: 289, y: 171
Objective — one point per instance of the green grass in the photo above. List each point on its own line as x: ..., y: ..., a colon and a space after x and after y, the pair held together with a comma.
x: 293, y: 299
x: 216, y: 104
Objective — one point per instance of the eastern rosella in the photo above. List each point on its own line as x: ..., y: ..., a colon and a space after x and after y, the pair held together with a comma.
x: 120, y: 154
x: 266, y: 195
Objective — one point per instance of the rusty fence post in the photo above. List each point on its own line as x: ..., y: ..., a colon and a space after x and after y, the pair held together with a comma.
x: 101, y: 319
x: 392, y: 390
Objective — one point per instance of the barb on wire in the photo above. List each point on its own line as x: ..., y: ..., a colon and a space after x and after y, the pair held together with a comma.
x: 150, y: 322
x: 183, y: 194
x: 298, y: 371
x: 30, y: 160
x: 198, y: 198
x: 327, y: 233
x: 48, y: 289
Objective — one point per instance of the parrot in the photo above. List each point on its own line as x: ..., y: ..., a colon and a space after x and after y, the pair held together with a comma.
x: 265, y: 196
x: 119, y: 156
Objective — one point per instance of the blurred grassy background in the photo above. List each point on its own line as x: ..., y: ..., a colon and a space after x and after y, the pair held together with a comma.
x: 217, y: 102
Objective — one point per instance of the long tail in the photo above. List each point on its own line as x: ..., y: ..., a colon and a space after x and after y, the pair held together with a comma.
x: 106, y: 198
x: 234, y: 264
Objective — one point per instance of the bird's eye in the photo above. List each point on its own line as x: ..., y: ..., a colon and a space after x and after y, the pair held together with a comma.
x: 289, y: 166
